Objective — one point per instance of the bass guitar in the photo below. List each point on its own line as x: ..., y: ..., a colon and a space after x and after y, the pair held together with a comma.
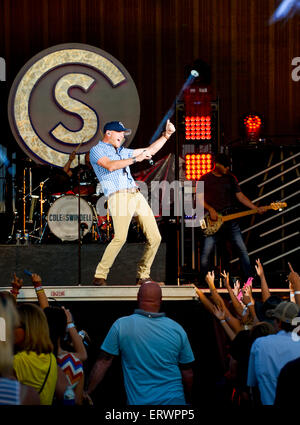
x: 210, y: 227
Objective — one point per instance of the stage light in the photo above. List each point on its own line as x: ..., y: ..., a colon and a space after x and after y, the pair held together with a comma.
x: 194, y: 73
x: 197, y: 128
x: 196, y: 165
x: 253, y: 126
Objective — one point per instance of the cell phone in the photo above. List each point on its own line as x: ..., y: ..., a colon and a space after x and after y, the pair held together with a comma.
x: 240, y: 295
x: 249, y: 282
x: 28, y: 273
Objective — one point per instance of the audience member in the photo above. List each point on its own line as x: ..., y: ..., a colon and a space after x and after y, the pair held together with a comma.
x: 12, y: 392
x: 60, y: 320
x: 155, y: 352
x: 240, y: 352
x: 34, y: 362
x: 269, y: 354
x: 287, y: 391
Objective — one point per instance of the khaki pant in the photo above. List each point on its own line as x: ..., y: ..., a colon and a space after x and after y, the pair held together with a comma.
x: 122, y: 207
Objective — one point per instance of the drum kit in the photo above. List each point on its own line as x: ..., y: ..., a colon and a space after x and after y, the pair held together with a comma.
x: 56, y: 208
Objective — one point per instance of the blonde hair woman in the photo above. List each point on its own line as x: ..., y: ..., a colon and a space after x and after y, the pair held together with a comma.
x: 12, y: 392
x: 35, y: 363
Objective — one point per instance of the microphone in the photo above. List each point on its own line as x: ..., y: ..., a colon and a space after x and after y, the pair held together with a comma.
x: 151, y: 162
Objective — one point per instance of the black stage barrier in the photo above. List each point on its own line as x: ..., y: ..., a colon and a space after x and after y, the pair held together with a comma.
x: 58, y: 264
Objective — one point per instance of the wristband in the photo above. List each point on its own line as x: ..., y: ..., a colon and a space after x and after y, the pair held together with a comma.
x: 251, y: 303
x: 297, y: 292
x: 70, y: 325
x: 133, y: 159
x: 223, y: 321
x: 244, y: 311
x: 39, y: 288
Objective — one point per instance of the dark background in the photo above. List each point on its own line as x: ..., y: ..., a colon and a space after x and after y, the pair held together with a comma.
x: 155, y: 40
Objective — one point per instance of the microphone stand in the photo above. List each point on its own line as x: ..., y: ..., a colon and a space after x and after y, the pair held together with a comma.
x: 79, y: 225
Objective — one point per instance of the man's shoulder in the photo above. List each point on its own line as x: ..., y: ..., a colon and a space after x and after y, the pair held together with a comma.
x: 267, y: 341
x: 99, y: 145
x: 206, y: 176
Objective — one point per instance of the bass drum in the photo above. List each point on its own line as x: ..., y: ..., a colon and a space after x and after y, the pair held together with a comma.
x: 62, y: 217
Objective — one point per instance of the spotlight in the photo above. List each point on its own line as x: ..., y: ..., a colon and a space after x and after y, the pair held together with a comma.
x: 196, y: 165
x: 252, y: 126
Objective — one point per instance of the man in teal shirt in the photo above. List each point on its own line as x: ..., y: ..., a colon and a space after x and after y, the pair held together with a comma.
x: 155, y: 352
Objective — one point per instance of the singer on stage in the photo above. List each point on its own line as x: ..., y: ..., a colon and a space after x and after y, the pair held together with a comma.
x: 111, y: 164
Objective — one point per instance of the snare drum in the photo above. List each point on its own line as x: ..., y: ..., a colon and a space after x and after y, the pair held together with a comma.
x: 62, y: 217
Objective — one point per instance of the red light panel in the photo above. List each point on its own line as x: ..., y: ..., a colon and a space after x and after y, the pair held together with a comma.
x: 198, y: 128
x: 252, y: 123
x: 196, y: 165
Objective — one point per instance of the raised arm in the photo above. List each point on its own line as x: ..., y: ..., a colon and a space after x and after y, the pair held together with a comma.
x: 233, y: 322
x: 39, y: 290
x: 294, y: 280
x: 221, y: 316
x: 16, y: 284
x: 77, y: 341
x: 67, y: 167
x: 265, y: 293
x: 235, y: 302
x: 205, y: 301
x: 249, y: 302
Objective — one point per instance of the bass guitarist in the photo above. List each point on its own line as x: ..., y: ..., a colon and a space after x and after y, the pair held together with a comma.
x: 221, y: 189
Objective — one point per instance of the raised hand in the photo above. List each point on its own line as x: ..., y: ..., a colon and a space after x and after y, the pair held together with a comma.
x: 219, y: 312
x: 68, y: 315
x: 248, y: 293
x: 236, y: 287
x: 226, y: 278
x: 294, y: 278
x: 36, y: 280
x: 259, y: 268
x: 170, y: 128
x: 210, y: 279
x: 17, y: 283
x: 143, y: 155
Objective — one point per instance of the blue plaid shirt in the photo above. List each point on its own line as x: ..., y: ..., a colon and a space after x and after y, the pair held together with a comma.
x: 112, y: 181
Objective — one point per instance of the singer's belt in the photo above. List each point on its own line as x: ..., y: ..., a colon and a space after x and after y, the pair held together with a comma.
x: 131, y: 190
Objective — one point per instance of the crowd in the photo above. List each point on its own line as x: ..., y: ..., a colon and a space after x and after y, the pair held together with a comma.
x: 263, y: 337
x: 43, y: 356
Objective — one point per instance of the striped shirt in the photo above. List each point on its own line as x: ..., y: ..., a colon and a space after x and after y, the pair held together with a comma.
x: 112, y: 181
x: 71, y: 366
x: 9, y: 392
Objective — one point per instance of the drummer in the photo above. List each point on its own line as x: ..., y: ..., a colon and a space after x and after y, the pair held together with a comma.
x: 84, y: 173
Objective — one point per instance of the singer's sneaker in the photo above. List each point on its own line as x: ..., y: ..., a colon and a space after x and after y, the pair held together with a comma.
x: 140, y: 281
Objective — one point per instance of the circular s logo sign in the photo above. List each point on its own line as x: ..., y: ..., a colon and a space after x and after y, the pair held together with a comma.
x: 62, y: 97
